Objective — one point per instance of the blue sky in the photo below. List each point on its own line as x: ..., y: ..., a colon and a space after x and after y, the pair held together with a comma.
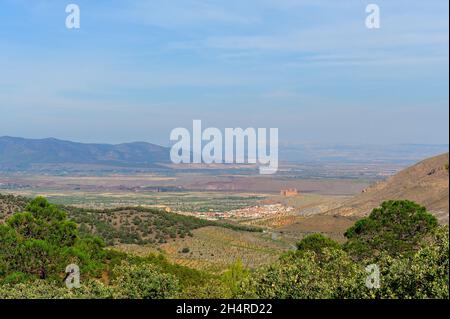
x: 137, y: 69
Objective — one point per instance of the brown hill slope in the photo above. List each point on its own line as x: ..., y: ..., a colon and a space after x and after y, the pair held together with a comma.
x: 425, y: 183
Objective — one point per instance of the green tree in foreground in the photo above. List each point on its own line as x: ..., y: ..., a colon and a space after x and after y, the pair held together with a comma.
x: 41, y: 241
x: 306, y: 275
x: 316, y: 243
x: 395, y: 228
x: 233, y: 277
x: 143, y: 281
x: 401, y: 238
x: 44, y: 289
x: 423, y: 275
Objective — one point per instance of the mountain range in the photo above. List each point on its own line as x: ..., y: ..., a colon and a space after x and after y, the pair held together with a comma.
x: 27, y: 154
x: 55, y: 155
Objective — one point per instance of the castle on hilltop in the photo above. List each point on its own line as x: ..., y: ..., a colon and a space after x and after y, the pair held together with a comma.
x: 289, y: 192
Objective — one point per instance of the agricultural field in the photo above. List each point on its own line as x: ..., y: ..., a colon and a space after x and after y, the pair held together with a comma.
x: 175, y: 201
x: 215, y: 248
x: 194, y: 242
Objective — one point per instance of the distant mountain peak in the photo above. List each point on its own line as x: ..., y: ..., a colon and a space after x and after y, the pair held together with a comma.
x: 18, y: 153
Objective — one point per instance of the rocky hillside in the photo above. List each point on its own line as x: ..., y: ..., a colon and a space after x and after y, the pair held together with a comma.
x: 425, y: 183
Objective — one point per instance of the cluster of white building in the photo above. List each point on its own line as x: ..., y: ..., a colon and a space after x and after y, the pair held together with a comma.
x: 253, y: 212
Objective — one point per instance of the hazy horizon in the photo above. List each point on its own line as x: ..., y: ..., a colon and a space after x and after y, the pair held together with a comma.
x: 136, y: 70
x: 285, y: 144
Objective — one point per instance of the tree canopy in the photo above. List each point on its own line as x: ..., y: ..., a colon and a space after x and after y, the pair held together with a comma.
x: 401, y: 238
x: 396, y: 228
x: 42, y: 241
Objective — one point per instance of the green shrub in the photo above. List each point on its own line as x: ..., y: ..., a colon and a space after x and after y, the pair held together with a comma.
x: 41, y: 242
x: 423, y: 275
x: 234, y: 276
x: 396, y: 228
x: 303, y: 275
x: 42, y: 289
x: 316, y: 243
x: 143, y: 281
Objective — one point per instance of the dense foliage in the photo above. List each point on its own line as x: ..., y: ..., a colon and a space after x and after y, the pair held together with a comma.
x: 395, y: 228
x: 40, y: 242
x: 404, y: 242
x: 424, y: 274
x: 316, y: 243
x: 10, y: 204
x: 139, y: 225
x: 143, y: 281
x: 408, y: 247
x: 126, y: 225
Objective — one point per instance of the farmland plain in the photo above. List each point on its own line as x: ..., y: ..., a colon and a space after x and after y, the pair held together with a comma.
x: 107, y: 200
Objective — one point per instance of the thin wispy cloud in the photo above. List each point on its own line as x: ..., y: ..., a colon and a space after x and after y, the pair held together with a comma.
x: 154, y: 63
